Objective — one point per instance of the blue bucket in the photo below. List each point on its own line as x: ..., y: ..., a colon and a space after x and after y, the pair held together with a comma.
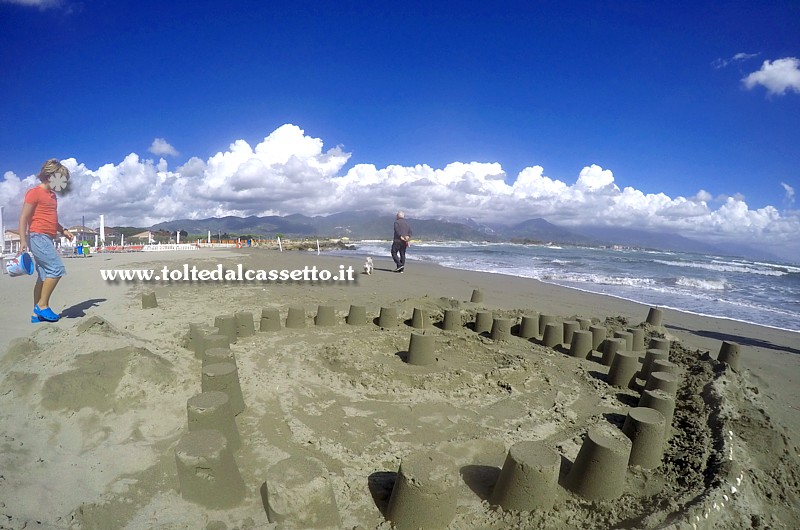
x: 21, y: 265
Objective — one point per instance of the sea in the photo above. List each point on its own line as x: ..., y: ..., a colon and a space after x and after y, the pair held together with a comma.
x: 758, y: 292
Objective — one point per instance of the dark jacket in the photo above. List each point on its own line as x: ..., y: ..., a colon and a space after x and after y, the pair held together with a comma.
x: 401, y: 229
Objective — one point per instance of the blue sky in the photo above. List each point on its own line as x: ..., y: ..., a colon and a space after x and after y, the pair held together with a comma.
x: 693, y: 105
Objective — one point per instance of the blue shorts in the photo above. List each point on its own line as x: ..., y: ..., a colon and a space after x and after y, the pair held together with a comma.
x: 48, y: 262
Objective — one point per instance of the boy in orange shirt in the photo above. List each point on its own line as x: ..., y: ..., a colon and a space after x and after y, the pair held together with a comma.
x: 38, y: 227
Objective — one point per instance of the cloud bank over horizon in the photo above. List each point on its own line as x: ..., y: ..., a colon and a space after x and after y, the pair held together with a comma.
x: 289, y: 172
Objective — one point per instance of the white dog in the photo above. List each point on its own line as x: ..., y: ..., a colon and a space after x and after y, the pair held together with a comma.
x: 368, y: 266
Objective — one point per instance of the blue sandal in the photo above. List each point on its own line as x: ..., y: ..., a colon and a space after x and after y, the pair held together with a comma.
x: 46, y: 314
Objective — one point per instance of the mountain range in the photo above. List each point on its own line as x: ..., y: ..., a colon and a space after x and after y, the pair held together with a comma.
x: 375, y: 225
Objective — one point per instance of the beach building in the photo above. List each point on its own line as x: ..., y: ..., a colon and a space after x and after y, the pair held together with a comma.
x: 11, y: 242
x: 82, y: 233
x: 146, y: 235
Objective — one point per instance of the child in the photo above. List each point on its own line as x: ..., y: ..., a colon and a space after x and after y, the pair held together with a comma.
x: 38, y: 227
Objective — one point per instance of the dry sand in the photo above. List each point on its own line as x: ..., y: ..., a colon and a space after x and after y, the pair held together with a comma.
x: 93, y: 407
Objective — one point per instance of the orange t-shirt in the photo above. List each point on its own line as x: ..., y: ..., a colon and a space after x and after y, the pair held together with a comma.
x: 45, y: 216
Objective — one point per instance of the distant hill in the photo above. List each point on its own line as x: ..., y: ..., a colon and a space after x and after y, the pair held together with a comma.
x: 266, y: 226
x: 541, y: 230
x: 378, y: 225
x: 643, y: 239
x: 355, y: 225
x: 667, y: 241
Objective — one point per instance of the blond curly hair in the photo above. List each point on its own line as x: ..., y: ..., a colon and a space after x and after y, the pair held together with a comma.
x: 52, y: 167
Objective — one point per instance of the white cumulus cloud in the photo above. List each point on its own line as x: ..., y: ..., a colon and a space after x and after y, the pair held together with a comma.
x: 777, y: 76
x: 703, y: 196
x: 161, y: 147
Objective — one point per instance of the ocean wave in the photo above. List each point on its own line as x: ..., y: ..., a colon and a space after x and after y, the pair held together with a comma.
x: 446, y: 244
x: 600, y: 279
x: 720, y: 266
x: 374, y: 249
x: 704, y: 284
x: 789, y: 269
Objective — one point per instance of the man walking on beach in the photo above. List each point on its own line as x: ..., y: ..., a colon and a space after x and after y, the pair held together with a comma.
x: 38, y: 228
x: 401, y: 240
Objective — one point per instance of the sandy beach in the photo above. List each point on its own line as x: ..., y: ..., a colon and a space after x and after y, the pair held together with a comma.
x: 94, y: 407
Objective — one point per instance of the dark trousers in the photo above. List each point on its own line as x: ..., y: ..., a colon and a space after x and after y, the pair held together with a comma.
x: 399, y: 253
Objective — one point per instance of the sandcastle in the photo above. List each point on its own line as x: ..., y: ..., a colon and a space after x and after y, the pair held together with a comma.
x: 207, y: 472
x: 149, y: 300
x: 425, y: 493
x: 529, y: 477
x: 388, y: 317
x: 425, y: 490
